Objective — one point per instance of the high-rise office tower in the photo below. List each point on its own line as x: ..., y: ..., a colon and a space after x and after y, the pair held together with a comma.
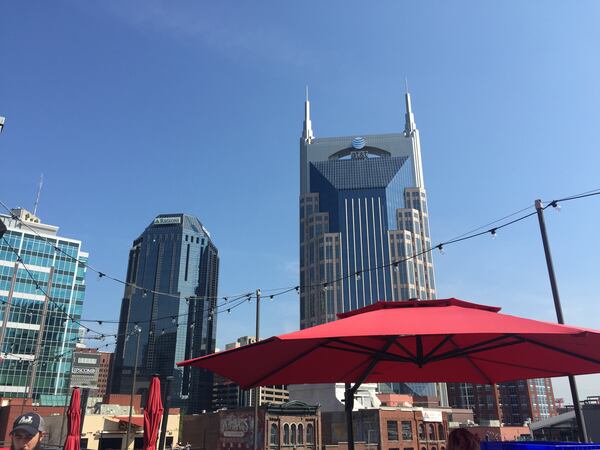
x: 37, y: 336
x: 363, y: 224
x: 172, y: 279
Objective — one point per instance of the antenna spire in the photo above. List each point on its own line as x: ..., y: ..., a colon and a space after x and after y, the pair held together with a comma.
x: 409, y: 124
x: 39, y: 193
x: 307, y: 133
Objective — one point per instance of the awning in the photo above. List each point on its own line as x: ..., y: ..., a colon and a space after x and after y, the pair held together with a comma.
x: 135, y: 421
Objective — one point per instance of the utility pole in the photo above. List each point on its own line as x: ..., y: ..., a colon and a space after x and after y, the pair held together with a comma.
x: 138, y: 331
x: 559, y: 316
x: 257, y: 389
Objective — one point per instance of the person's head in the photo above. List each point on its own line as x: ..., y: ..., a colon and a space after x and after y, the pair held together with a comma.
x: 462, y: 439
x: 27, y: 431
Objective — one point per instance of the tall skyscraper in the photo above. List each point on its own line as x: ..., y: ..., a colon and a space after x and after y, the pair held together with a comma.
x: 363, y: 212
x: 37, y: 337
x: 173, y: 274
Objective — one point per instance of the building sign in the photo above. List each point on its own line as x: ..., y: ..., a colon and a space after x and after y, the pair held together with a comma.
x: 432, y: 416
x: 167, y: 220
x: 359, y: 154
x: 85, y: 370
x: 236, y: 426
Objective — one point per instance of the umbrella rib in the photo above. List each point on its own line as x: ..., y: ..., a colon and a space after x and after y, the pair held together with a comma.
x: 367, y: 351
x: 560, y: 350
x: 475, y: 366
x: 443, y: 342
x: 413, y: 358
x: 480, y: 346
x: 520, y: 366
x: 301, y: 355
x: 376, y: 358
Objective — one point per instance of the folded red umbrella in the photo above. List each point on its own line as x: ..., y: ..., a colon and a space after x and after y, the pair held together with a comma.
x: 152, y: 415
x: 74, y: 422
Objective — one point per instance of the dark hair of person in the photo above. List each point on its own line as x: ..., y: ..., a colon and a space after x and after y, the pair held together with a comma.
x: 462, y: 439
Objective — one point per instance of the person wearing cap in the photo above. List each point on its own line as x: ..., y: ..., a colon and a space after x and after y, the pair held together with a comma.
x: 27, y: 431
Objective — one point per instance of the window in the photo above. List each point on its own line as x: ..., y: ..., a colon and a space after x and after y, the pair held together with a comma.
x: 431, y: 432
x: 407, y: 431
x: 421, y: 433
x: 274, y: 435
x: 441, y: 432
x: 293, y: 440
x: 392, y: 430
x: 310, y: 434
x: 286, y: 434
x: 300, y: 434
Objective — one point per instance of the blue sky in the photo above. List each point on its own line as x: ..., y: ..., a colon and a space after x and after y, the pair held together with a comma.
x: 131, y: 109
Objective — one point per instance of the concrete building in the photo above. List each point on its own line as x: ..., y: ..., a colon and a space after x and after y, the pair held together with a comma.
x: 171, y: 299
x: 294, y: 425
x: 563, y: 427
x: 364, y: 224
x: 36, y: 335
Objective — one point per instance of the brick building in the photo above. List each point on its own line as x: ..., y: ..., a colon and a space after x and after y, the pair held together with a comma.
x: 388, y: 428
x: 294, y: 424
x: 104, y: 370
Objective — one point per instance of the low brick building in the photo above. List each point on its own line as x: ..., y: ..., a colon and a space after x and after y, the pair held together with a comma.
x: 388, y: 428
x: 293, y: 424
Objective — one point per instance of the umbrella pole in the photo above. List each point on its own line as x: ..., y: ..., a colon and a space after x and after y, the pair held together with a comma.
x: 349, y: 406
x: 559, y: 315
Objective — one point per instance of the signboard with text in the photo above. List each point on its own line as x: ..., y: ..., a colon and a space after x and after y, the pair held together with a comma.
x: 84, y: 370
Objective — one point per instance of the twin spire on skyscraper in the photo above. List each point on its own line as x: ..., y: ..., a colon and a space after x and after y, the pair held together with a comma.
x: 409, y: 125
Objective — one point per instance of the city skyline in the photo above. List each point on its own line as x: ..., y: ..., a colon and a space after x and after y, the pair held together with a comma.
x: 130, y: 111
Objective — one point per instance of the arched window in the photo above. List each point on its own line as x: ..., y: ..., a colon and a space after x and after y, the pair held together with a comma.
x: 431, y: 432
x: 423, y: 448
x: 286, y: 434
x: 441, y: 433
x: 293, y: 441
x: 300, y: 434
x: 442, y: 448
x: 274, y: 435
x: 421, y: 432
x: 310, y: 434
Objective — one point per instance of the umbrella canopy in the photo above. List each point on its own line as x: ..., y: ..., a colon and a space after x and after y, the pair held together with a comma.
x: 152, y: 415
x: 433, y: 340
x: 74, y: 422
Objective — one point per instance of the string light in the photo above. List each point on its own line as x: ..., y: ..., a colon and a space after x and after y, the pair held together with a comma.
x: 493, y: 233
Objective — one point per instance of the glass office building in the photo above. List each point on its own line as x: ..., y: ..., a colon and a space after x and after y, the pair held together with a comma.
x: 363, y: 215
x: 173, y: 273
x: 37, y: 338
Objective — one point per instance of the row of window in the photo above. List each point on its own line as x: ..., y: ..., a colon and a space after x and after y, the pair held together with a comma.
x: 293, y: 434
x: 407, y: 431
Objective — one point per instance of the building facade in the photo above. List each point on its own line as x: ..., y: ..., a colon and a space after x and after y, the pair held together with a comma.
x: 169, y: 306
x: 103, y: 367
x: 289, y: 425
x: 363, y: 225
x: 513, y: 403
x: 42, y: 288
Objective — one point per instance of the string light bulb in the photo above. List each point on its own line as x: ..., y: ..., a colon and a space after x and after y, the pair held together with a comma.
x: 358, y: 276
x: 440, y: 247
x: 145, y: 293
x: 555, y: 206
x: 493, y: 233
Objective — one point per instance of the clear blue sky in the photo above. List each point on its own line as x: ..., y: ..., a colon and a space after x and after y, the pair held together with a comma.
x: 136, y: 108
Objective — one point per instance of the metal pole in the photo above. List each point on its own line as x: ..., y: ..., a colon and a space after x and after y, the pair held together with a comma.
x: 165, y: 417
x: 559, y: 315
x: 257, y: 389
x: 349, y: 406
x: 137, y: 351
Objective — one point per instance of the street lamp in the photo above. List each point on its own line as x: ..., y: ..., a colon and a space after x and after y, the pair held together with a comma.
x: 138, y: 331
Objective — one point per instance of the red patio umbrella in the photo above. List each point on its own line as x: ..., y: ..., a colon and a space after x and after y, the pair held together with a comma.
x: 415, y: 341
x: 74, y: 422
x: 152, y: 415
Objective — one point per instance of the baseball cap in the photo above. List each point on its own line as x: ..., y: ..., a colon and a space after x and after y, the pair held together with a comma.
x: 32, y: 423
